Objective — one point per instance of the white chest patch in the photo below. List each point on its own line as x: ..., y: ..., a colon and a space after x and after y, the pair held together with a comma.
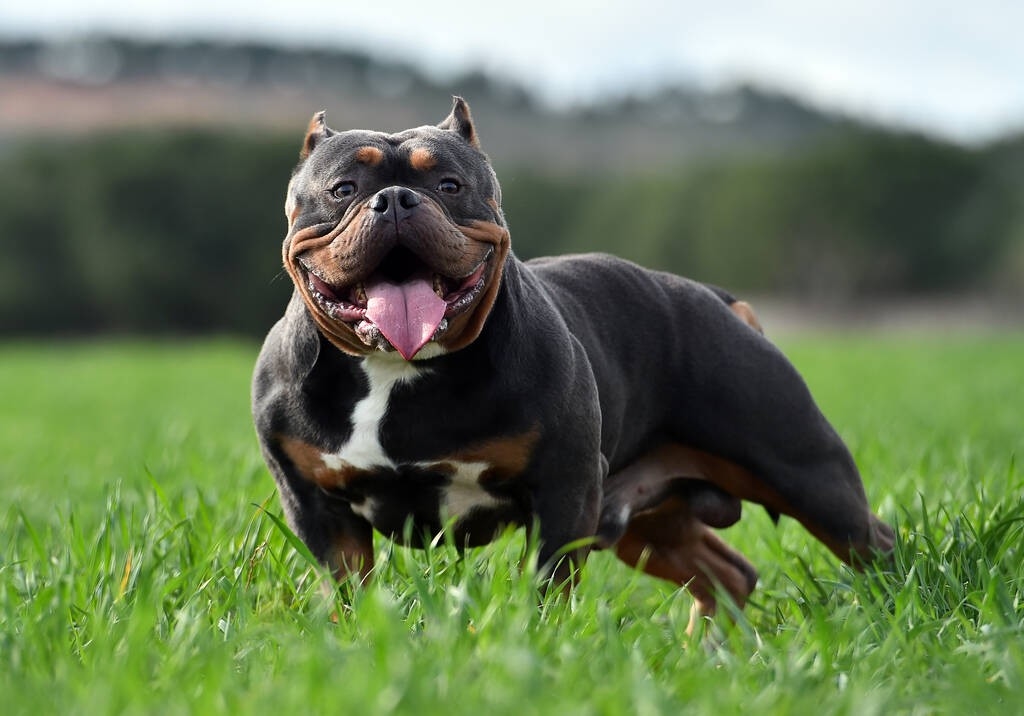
x: 465, y: 493
x: 363, y: 449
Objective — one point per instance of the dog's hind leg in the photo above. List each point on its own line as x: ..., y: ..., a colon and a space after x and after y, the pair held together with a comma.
x: 657, y: 515
x: 669, y: 542
x: 713, y: 486
x: 736, y: 396
x: 666, y: 471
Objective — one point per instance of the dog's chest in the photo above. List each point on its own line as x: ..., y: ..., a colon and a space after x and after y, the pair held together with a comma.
x: 432, y: 488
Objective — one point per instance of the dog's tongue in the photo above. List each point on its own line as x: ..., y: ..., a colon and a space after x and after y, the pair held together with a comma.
x: 407, y: 313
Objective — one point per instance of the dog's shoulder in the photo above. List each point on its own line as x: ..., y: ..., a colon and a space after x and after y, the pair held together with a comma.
x: 289, y: 353
x: 291, y: 347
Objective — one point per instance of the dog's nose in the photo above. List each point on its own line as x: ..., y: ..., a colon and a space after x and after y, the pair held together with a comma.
x: 400, y: 199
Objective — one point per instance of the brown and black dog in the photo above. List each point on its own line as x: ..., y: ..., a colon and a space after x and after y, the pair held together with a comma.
x: 422, y: 375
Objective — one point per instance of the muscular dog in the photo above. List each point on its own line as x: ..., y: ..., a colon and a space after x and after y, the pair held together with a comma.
x: 422, y: 375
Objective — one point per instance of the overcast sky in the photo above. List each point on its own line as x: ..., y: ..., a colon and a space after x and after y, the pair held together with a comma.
x: 954, y: 68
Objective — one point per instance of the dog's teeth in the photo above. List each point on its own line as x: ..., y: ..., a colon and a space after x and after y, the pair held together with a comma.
x: 438, y: 285
x: 360, y: 294
x: 368, y: 333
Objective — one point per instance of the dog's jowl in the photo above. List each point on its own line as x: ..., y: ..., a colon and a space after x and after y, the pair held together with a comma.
x: 422, y: 375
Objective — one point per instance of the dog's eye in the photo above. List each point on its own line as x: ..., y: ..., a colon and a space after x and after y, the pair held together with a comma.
x: 344, y: 190
x: 448, y: 186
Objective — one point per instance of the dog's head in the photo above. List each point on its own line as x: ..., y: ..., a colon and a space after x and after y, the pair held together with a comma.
x: 396, y: 240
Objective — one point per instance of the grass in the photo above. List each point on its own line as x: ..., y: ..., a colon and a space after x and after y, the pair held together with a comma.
x: 142, y: 569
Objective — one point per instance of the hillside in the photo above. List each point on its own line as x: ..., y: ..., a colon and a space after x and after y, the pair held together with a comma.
x: 86, y: 85
x: 153, y: 177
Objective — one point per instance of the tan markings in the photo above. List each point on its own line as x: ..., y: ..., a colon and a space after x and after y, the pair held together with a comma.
x: 443, y: 468
x: 327, y: 242
x: 311, y: 237
x: 315, y: 132
x: 422, y: 160
x: 464, y: 122
x: 369, y: 155
x: 464, y: 329
x: 352, y: 554
x: 309, y: 461
x: 461, y: 122
x: 648, y: 475
x: 493, y: 203
x: 506, y: 457
x: 746, y: 313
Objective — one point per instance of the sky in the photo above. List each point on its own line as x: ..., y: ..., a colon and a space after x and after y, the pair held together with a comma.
x: 955, y: 69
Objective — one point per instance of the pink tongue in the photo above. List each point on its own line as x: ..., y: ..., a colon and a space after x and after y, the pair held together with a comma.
x: 408, y: 313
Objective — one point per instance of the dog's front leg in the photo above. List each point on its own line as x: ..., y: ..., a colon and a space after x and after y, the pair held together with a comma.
x: 341, y: 540
x: 347, y: 547
x: 567, y: 506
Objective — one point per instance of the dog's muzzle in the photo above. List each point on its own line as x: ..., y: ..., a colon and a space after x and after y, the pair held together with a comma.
x: 403, y: 304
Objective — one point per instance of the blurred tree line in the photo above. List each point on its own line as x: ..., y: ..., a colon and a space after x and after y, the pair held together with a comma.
x: 172, y: 232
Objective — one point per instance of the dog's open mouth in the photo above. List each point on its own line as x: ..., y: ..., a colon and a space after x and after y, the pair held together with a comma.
x: 403, y: 304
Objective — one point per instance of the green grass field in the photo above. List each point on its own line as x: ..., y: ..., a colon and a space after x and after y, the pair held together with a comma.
x: 140, y: 574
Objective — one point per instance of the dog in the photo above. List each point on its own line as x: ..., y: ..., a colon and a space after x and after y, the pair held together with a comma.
x: 423, y: 376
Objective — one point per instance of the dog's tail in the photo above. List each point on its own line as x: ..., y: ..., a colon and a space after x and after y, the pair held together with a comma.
x: 741, y: 308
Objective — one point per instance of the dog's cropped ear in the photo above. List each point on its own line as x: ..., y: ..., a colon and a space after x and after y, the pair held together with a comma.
x: 460, y: 121
x: 317, y: 132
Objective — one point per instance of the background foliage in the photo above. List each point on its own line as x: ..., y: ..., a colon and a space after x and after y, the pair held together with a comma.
x: 165, y: 232
x: 142, y: 183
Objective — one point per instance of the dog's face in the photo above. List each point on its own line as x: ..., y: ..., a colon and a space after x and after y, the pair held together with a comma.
x: 396, y: 241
